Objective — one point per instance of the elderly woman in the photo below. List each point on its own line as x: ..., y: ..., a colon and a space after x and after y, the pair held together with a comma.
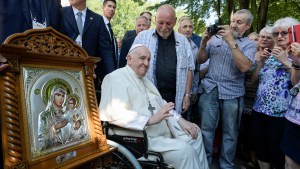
x: 291, y: 137
x: 265, y: 40
x: 272, y: 98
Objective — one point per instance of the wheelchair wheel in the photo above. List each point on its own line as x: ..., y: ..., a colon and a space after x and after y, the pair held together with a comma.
x: 123, y: 158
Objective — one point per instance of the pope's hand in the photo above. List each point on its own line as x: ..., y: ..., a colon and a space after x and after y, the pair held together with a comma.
x: 190, y: 129
x: 162, y: 114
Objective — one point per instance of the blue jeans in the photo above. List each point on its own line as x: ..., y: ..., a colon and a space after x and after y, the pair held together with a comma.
x: 211, y: 108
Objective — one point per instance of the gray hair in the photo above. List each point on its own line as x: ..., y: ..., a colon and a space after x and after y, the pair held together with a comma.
x: 143, y: 17
x: 253, y: 33
x: 284, y: 23
x: 183, y: 18
x: 248, y: 13
x: 266, y: 29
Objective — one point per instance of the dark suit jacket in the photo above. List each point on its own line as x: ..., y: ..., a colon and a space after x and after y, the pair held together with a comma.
x: 95, y: 40
x: 126, y: 45
x: 196, y: 39
x: 16, y: 17
x: 2, y: 10
x: 110, y: 63
x: 129, y: 34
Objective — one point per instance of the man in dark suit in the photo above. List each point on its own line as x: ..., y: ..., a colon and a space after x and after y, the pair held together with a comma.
x: 132, y: 33
x: 19, y: 16
x: 141, y: 23
x: 87, y: 29
x: 110, y: 63
x: 2, y: 12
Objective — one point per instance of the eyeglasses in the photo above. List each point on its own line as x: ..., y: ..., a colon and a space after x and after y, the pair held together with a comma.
x: 283, y: 33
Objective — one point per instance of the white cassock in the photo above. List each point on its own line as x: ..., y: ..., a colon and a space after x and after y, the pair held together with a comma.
x: 124, y: 103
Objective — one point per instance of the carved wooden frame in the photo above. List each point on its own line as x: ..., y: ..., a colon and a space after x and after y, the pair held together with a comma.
x: 50, y: 49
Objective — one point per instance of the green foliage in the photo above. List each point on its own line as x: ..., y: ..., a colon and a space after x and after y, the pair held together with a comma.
x: 198, y: 10
x: 201, y: 10
x: 190, y: 8
x: 283, y: 8
x: 126, y: 12
x: 95, y: 5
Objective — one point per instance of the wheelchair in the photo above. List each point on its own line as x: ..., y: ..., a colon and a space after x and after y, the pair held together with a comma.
x: 132, y: 150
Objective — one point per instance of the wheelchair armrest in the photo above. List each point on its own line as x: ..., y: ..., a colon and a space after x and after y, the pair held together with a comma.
x: 121, y: 131
x: 134, y: 140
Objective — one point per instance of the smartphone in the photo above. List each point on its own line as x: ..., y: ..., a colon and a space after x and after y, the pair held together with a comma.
x: 294, y: 33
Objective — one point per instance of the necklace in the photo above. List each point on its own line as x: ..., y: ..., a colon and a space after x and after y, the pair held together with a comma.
x: 150, y: 107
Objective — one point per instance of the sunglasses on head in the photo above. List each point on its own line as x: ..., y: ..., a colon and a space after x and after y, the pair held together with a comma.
x: 283, y: 33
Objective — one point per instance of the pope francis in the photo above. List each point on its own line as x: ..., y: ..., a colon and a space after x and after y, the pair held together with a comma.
x: 131, y: 101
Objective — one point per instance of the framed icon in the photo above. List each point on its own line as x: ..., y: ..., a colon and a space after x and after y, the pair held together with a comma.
x: 49, y: 111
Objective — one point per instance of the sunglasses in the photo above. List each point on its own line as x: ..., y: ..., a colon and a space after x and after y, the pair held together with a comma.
x: 283, y: 33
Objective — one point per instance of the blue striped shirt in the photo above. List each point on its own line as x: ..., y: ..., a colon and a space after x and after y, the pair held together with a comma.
x: 222, y: 71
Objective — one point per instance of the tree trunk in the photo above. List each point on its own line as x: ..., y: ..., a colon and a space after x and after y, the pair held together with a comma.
x: 262, y: 14
x: 230, y: 7
x: 244, y: 4
x: 217, y: 6
x: 253, y: 7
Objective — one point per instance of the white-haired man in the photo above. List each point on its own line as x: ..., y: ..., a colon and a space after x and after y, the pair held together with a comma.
x: 131, y: 101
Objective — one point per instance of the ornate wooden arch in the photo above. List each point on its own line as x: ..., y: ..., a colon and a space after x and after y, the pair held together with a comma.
x: 47, y: 41
x: 43, y: 47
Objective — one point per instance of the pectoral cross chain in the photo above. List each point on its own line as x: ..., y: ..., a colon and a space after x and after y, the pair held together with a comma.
x: 151, y: 108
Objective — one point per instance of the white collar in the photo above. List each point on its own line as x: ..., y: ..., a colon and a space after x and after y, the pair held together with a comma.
x: 132, y: 72
x: 75, y: 10
x: 106, y: 21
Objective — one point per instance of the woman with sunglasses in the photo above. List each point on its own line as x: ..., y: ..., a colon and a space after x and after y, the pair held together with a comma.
x: 272, y: 98
x: 291, y: 137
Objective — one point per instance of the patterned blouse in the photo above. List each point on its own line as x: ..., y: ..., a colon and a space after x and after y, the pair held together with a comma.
x: 293, y: 112
x: 273, y: 97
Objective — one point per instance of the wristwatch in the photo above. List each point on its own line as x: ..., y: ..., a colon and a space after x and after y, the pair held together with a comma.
x: 235, y: 46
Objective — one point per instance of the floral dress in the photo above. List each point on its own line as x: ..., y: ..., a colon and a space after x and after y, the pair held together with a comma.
x: 273, y: 97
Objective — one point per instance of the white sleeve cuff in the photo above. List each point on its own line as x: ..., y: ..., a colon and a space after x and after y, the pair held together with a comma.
x: 176, y: 115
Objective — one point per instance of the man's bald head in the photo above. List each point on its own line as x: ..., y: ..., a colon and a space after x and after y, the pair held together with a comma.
x: 165, y: 20
x: 166, y: 10
x: 138, y: 59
